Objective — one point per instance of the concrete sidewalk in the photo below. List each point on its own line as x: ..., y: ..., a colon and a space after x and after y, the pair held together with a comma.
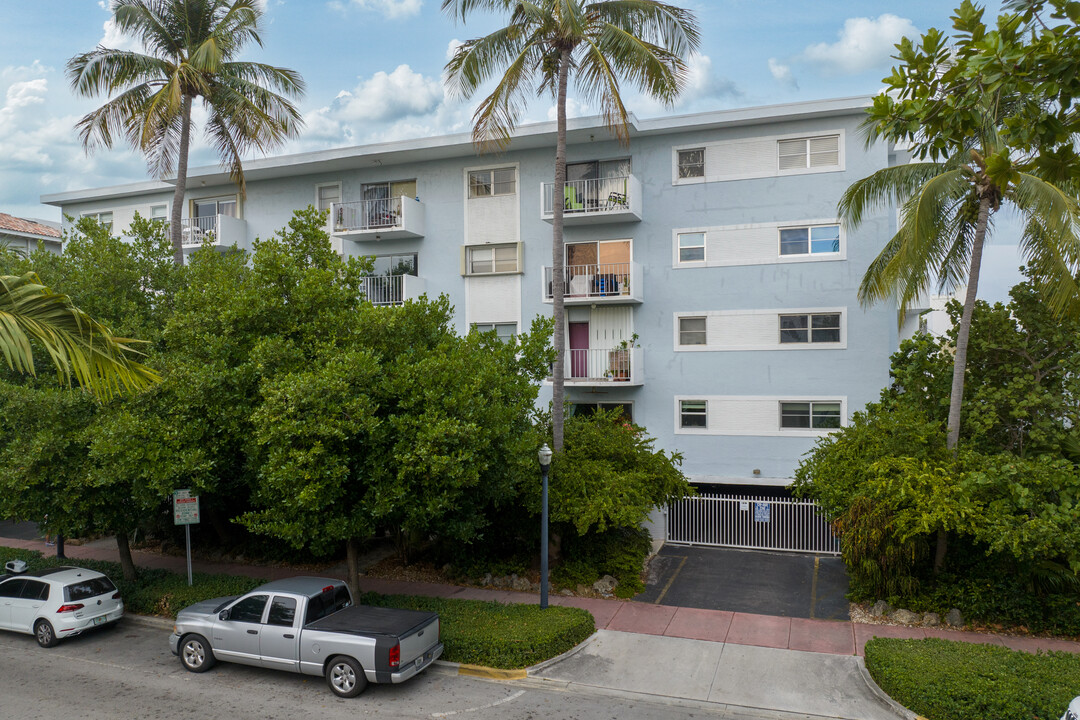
x: 713, y: 657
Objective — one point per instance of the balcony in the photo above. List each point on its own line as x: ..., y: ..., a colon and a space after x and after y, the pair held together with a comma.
x: 396, y: 218
x: 218, y: 230
x: 585, y: 202
x: 611, y: 367
x: 601, y: 284
x: 392, y: 289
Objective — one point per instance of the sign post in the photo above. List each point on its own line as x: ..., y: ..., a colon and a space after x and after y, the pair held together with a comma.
x: 186, y: 513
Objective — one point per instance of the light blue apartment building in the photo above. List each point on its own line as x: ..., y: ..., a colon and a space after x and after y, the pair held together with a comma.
x: 711, y: 290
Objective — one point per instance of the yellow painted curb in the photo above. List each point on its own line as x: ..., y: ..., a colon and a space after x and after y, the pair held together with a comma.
x: 492, y: 673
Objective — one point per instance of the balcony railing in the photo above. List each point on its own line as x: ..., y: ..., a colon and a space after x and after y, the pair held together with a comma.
x: 603, y: 282
x: 614, y: 199
x: 603, y: 366
x: 381, y: 219
x: 219, y: 230
x: 391, y: 289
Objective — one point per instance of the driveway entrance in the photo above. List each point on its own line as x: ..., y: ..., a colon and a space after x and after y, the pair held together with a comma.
x: 750, y: 581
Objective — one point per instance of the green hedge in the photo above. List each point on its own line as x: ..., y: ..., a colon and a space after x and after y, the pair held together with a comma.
x: 155, y: 592
x: 947, y: 680
x: 497, y: 635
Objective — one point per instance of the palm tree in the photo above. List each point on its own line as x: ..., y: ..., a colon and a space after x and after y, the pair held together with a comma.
x: 78, y: 345
x: 190, y: 49
x: 545, y: 42
x: 947, y: 211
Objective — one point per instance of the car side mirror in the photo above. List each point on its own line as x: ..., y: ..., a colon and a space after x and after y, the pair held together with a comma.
x: 223, y: 615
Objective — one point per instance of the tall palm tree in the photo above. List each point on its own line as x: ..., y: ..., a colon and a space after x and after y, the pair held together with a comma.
x: 190, y: 52
x: 545, y: 42
x: 78, y: 345
x: 947, y: 211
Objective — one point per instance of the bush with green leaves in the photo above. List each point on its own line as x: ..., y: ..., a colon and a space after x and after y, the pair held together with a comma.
x: 497, y: 635
x: 619, y: 552
x: 155, y: 591
x: 947, y: 680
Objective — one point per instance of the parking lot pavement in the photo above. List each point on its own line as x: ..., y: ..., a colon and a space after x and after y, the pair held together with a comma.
x: 748, y: 581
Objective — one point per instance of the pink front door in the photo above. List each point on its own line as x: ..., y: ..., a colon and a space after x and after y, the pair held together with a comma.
x: 579, y: 349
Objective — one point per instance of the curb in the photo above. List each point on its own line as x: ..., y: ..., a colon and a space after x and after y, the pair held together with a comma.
x: 884, y: 696
x: 152, y: 621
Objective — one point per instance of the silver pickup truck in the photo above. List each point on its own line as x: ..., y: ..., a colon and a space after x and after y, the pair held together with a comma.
x: 308, y: 625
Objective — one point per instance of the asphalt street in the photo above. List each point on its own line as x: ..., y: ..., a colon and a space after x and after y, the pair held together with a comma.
x: 128, y: 672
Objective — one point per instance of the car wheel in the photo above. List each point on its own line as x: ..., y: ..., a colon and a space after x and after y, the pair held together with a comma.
x: 195, y: 653
x: 345, y: 677
x: 46, y: 636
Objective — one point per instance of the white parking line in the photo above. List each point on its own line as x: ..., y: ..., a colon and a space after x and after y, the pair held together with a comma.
x: 516, y: 695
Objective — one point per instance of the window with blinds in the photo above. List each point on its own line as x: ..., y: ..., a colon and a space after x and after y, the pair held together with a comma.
x: 815, y: 152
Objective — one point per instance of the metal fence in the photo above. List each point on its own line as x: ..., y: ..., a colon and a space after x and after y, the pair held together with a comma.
x: 383, y: 289
x: 758, y: 523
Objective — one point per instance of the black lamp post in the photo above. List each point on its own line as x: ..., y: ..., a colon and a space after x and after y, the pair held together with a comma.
x: 545, y: 464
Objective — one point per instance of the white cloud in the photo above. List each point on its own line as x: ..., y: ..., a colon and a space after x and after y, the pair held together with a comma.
x: 782, y: 74
x: 114, y: 39
x: 390, y: 9
x: 863, y: 44
x: 574, y: 108
x: 389, y: 96
x: 702, y: 82
x: 451, y: 48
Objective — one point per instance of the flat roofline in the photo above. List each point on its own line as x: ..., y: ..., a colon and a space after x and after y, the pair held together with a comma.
x: 439, y: 147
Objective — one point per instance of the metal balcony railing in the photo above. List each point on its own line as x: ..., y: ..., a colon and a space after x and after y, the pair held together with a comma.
x: 367, y: 214
x: 195, y: 231
x: 602, y: 280
x: 582, y: 197
x: 600, y: 365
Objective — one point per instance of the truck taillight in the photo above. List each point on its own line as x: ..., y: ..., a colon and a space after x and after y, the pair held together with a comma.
x: 395, y: 656
x: 70, y: 608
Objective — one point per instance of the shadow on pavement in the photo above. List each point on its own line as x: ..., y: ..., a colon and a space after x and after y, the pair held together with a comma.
x: 750, y: 581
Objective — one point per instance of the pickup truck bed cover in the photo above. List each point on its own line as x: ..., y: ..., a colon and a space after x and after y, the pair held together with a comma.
x: 373, y: 621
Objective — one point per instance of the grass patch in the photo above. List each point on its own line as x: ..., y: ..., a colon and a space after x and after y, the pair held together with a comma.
x: 155, y: 592
x: 947, y: 680
x: 497, y: 635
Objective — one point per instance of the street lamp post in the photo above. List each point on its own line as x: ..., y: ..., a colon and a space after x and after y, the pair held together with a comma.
x: 545, y: 464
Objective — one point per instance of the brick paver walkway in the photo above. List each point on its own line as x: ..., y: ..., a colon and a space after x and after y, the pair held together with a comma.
x: 823, y: 636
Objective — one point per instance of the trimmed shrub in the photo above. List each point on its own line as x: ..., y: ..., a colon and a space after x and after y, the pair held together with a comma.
x: 497, y: 635
x: 155, y: 592
x: 947, y: 680
x: 619, y: 552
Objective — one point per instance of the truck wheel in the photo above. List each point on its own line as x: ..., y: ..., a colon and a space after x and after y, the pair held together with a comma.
x: 195, y: 653
x: 46, y: 636
x: 345, y: 677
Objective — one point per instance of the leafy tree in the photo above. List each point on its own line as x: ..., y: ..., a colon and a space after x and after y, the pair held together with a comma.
x: 190, y: 51
x: 969, y: 167
x: 610, y: 475
x: 644, y: 41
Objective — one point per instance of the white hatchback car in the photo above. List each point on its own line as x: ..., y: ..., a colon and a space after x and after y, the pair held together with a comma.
x: 58, y: 603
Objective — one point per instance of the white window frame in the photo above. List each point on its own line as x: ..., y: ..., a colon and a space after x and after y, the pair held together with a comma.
x: 492, y: 170
x: 681, y: 415
x: 467, y: 259
x: 486, y: 327
x: 810, y: 329
x: 809, y: 227
x: 807, y: 139
x: 811, y: 402
x: 715, y: 174
x: 679, y: 165
x: 341, y: 198
x: 97, y: 216
x: 716, y: 342
x: 679, y: 331
x: 164, y: 217
x: 704, y: 248
x: 218, y: 199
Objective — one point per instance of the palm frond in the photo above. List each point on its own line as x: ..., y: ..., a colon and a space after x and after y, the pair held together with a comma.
x: 655, y: 23
x: 78, y: 346
x: 885, y: 188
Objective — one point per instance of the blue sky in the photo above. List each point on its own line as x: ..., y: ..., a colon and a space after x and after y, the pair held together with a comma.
x: 374, y: 72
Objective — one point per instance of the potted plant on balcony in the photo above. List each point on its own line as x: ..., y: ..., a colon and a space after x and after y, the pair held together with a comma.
x: 339, y: 220
x: 619, y: 359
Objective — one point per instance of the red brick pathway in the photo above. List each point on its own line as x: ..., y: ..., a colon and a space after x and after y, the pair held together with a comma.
x: 823, y: 636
